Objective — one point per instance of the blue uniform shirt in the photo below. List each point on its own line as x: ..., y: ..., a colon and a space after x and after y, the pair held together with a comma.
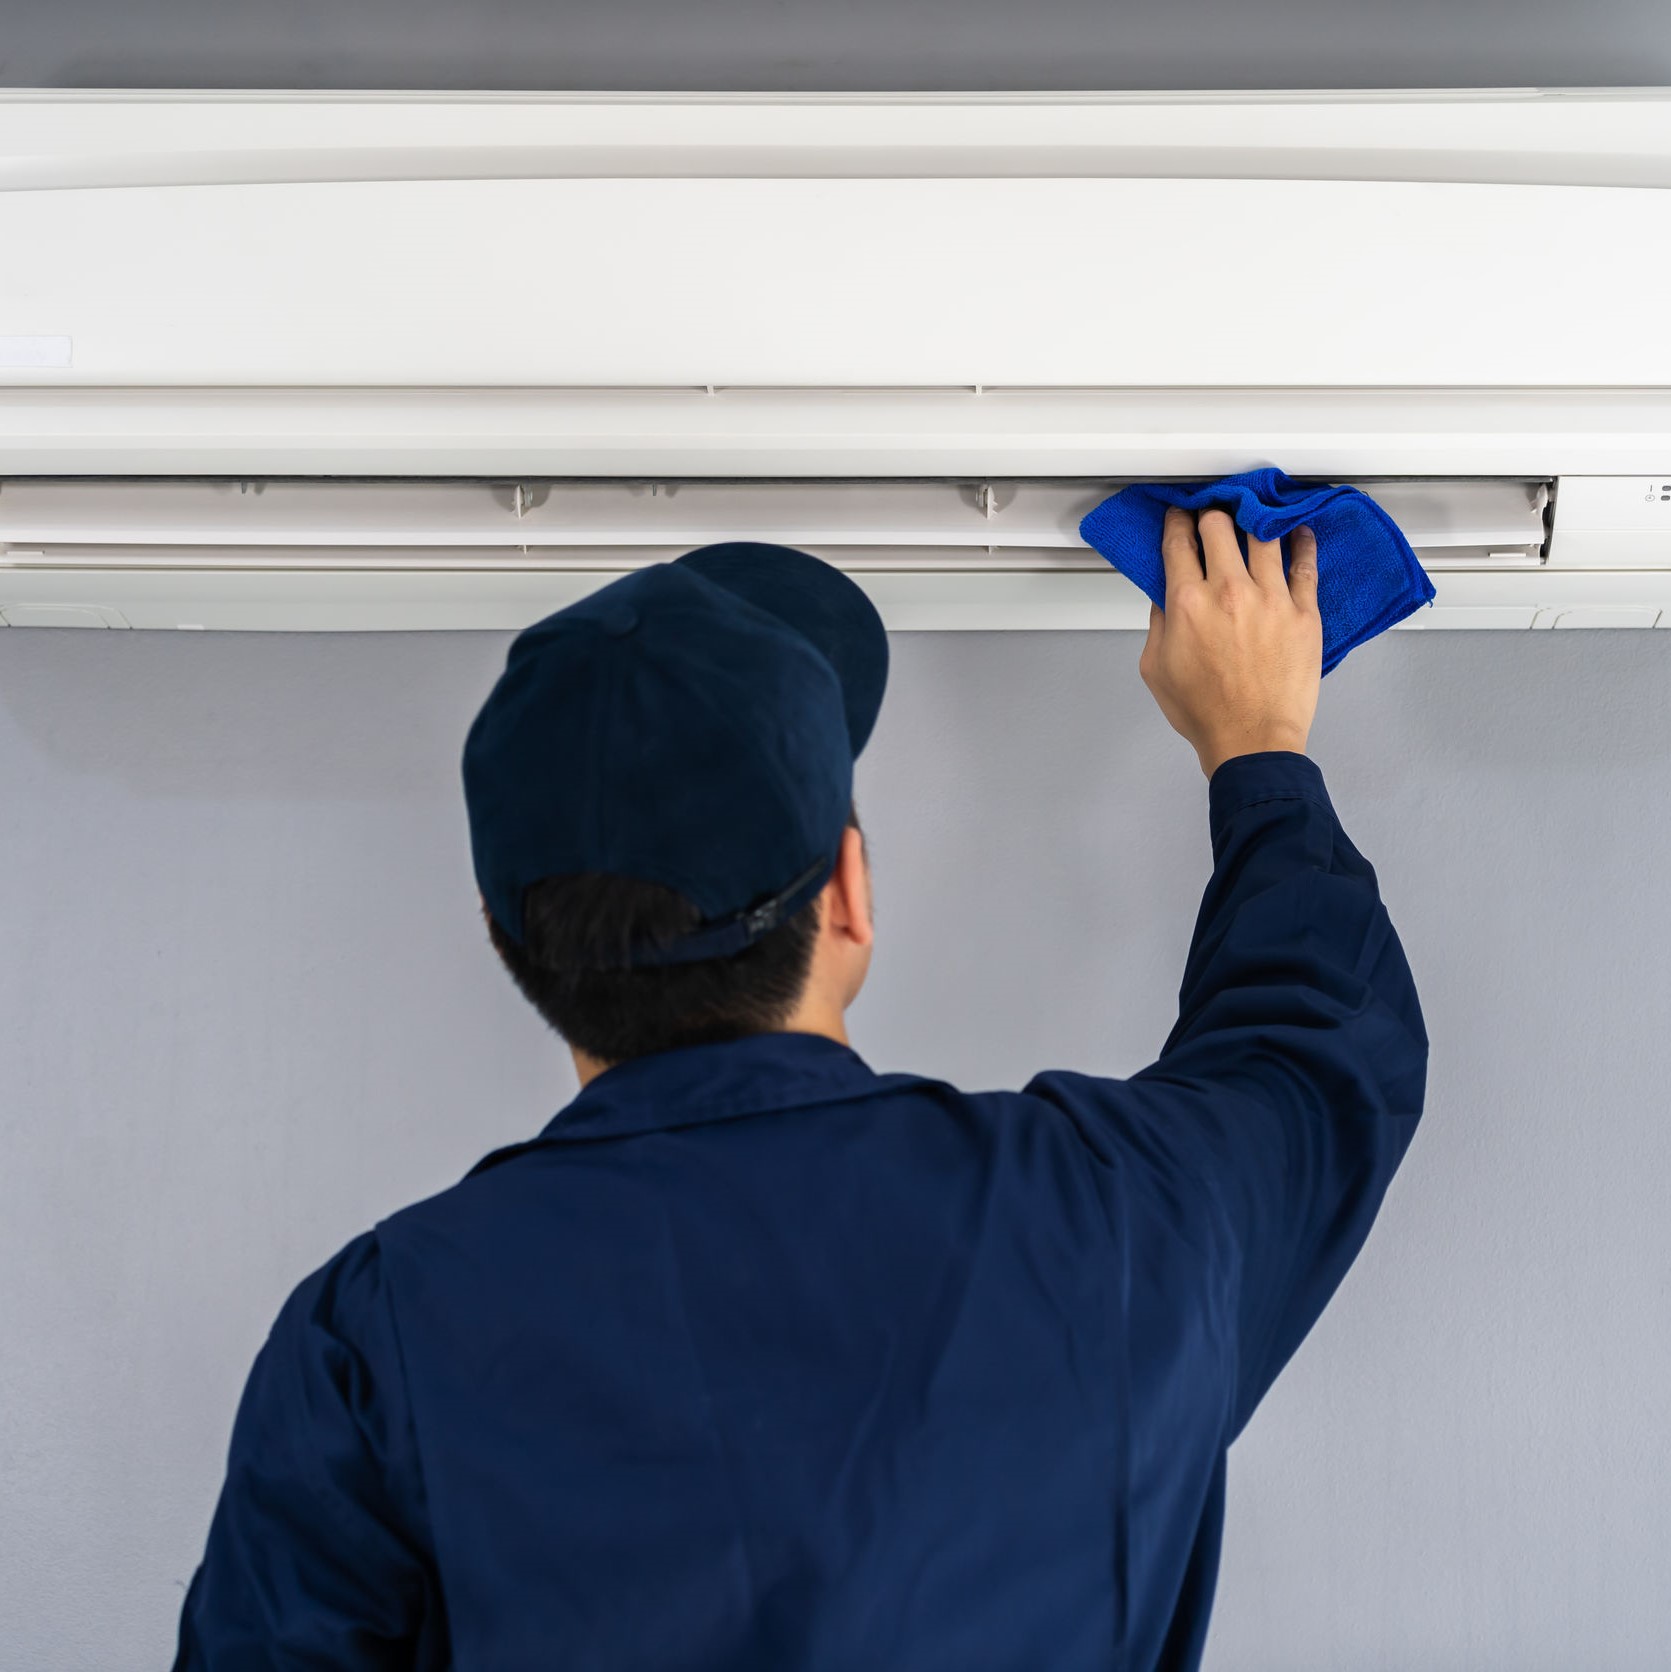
x: 755, y: 1360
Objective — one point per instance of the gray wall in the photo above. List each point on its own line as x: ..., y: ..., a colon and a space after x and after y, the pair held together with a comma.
x: 840, y: 44
x: 246, y: 1007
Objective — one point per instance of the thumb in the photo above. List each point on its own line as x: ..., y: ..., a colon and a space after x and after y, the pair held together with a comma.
x: 1302, y: 570
x: 1151, y: 644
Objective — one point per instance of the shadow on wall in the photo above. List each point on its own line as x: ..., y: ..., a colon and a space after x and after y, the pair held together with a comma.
x: 260, y: 715
x: 1497, y: 700
x: 217, y: 716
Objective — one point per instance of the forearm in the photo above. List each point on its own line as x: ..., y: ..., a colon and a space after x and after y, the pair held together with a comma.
x: 1291, y: 903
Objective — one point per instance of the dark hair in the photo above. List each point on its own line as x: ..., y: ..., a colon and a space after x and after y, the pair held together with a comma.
x: 574, y: 924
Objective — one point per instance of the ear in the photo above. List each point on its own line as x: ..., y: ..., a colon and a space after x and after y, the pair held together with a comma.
x: 847, y: 893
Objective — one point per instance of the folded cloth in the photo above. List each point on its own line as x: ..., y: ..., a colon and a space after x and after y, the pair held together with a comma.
x: 1367, y: 575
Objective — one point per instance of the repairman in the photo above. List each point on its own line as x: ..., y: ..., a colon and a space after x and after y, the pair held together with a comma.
x: 754, y: 1359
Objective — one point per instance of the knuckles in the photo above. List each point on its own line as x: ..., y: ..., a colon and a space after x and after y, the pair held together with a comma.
x: 1187, y: 598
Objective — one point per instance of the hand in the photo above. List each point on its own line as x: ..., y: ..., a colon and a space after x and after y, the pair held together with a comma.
x: 1235, y: 659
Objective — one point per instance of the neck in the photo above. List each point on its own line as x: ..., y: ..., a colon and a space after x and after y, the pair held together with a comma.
x: 805, y: 1018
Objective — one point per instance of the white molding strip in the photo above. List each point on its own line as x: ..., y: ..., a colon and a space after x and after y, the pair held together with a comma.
x: 1532, y: 136
x: 504, y: 601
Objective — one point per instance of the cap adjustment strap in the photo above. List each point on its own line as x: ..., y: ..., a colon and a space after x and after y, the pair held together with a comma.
x: 728, y: 935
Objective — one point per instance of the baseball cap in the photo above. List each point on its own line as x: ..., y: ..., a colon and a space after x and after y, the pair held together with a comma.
x: 692, y: 724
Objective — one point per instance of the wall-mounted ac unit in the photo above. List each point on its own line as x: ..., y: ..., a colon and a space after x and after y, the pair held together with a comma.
x: 385, y: 361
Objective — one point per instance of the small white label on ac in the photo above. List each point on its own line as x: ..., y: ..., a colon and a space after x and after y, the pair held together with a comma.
x: 17, y: 353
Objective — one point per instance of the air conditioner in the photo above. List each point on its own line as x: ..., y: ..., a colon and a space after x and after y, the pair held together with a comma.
x: 428, y: 361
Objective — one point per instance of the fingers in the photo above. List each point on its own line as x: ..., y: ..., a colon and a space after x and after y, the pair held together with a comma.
x: 1302, y: 569
x: 1264, y: 563
x: 1218, y: 556
x: 1218, y: 541
x: 1178, y: 550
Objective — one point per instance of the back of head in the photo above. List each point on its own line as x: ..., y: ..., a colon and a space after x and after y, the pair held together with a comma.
x: 571, y: 966
x: 658, y: 788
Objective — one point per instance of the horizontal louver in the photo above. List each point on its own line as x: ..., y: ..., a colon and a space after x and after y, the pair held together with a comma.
x: 864, y: 526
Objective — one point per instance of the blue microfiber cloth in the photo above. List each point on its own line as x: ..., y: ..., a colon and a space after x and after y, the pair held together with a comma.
x: 1367, y: 575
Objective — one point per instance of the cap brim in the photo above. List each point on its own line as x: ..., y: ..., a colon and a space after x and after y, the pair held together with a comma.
x: 822, y: 604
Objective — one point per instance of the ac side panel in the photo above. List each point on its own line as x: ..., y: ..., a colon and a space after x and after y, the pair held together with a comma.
x: 1614, y: 522
x: 878, y: 282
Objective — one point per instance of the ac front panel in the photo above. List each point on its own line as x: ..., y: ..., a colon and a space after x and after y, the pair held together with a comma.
x: 313, y: 243
x: 871, y: 282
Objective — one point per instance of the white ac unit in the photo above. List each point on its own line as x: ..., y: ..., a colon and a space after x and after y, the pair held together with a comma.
x: 430, y: 361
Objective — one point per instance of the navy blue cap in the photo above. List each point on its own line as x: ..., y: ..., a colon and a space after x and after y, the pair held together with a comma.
x: 692, y: 724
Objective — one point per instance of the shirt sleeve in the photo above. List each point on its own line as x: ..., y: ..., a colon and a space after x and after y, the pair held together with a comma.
x: 317, y: 1554
x: 1289, y: 1089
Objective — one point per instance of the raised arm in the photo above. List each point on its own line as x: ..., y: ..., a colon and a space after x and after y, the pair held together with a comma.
x: 1289, y: 1089
x: 1299, y: 1056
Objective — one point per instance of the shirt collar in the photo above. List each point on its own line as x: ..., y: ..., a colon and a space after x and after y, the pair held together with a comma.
x: 700, y: 1083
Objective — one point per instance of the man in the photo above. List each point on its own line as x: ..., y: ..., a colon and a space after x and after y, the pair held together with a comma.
x: 754, y: 1358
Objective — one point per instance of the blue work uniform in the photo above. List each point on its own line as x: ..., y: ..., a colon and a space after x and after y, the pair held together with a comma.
x: 756, y: 1360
